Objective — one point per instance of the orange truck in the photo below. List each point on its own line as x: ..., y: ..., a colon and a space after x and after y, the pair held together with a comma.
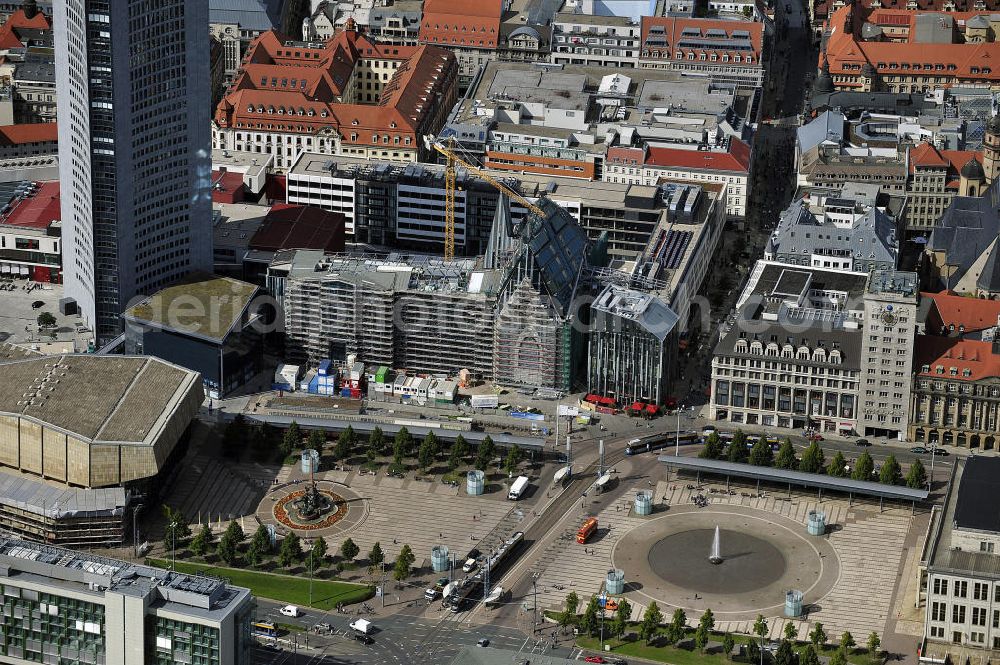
x: 587, y: 530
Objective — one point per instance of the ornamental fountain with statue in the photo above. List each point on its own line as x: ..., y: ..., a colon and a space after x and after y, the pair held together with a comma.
x: 312, y: 507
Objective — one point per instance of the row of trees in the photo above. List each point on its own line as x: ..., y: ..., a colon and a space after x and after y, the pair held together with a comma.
x: 649, y: 628
x: 813, y: 460
x: 403, y: 445
x: 239, y: 436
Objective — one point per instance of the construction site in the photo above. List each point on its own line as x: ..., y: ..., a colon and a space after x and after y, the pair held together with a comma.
x: 519, y: 315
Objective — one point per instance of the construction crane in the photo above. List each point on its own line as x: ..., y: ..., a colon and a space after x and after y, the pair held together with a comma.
x: 449, y: 177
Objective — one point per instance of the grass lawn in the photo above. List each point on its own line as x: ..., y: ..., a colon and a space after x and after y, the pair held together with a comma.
x: 285, y: 588
x: 686, y: 654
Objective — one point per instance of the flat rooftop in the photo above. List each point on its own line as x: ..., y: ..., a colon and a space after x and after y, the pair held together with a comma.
x: 958, y: 506
x: 190, y: 595
x: 96, y: 398
x: 205, y: 306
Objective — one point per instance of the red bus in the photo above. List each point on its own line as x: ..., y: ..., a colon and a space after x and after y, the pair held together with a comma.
x: 587, y: 530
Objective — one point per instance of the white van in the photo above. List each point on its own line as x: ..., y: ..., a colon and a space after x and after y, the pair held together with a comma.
x: 290, y: 611
x: 363, y: 626
x: 517, y: 489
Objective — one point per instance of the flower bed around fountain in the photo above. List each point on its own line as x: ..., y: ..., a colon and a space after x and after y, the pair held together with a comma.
x: 289, y: 519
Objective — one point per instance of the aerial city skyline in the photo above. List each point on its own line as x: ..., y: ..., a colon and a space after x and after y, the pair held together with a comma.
x: 499, y: 331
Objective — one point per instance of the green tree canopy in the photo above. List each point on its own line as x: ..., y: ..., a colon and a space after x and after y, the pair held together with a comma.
x: 874, y: 645
x: 701, y: 638
x: 317, y: 439
x: 728, y: 644
x: 261, y: 540
x: 813, y: 459
x: 837, y: 467
x: 791, y: 632
x: 402, y: 445
x: 376, y: 441
x: 177, y: 528
x: 864, y: 468
x: 291, y: 439
x: 317, y: 553
x: 568, y: 615
x: 891, y: 474
x: 713, y: 447
x: 784, y: 654
x: 817, y: 636
x: 403, y: 567
x: 651, y: 620
x: 349, y: 550
x: 376, y: 556
x: 761, y: 454
x: 227, y: 549
x: 737, y: 451
x: 46, y: 319
x: 847, y: 642
x: 588, y: 621
x: 786, y: 456
x: 916, y: 477
x: 290, y: 552
x: 485, y: 454
x: 512, y: 460
x: 203, y: 541
x: 236, y: 531
x: 620, y: 621
x: 809, y: 656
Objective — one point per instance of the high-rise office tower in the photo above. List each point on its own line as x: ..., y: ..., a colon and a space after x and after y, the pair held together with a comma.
x: 132, y: 78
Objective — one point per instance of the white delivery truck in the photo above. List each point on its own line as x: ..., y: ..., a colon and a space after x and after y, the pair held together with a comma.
x: 363, y: 626
x: 517, y: 489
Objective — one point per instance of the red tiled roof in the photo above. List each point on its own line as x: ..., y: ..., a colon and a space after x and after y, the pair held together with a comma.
x: 971, y: 314
x: 846, y: 53
x: 36, y: 211
x: 673, y: 28
x: 471, y: 23
x: 295, y: 89
x: 963, y: 354
x: 299, y: 227
x: 737, y: 159
x: 926, y: 154
x: 38, y: 132
x: 8, y: 32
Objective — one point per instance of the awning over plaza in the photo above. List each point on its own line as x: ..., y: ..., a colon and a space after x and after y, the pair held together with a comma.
x: 769, y: 474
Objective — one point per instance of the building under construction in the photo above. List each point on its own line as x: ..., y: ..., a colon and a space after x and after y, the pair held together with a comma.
x: 506, y: 316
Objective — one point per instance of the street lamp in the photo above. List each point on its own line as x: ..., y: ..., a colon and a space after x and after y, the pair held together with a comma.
x: 135, y: 530
x: 677, y: 441
x: 173, y: 542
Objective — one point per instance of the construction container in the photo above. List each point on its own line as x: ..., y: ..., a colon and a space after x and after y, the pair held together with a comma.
x: 475, y: 482
x: 614, y: 583
x: 643, y: 502
x: 793, y: 604
x: 816, y: 523
x: 310, y: 461
x: 439, y: 559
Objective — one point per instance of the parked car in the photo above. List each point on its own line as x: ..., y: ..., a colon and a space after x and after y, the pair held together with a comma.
x: 483, y: 642
x: 863, y: 443
x: 441, y: 583
x: 941, y: 452
x: 920, y: 450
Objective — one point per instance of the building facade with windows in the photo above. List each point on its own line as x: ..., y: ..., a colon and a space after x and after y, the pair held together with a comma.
x: 71, y: 606
x: 890, y: 315
x: 589, y: 40
x: 348, y: 96
x: 468, y: 28
x: 793, y: 356
x: 935, y: 177
x: 134, y: 150
x: 956, y: 372
x: 963, y: 572
x: 729, y: 51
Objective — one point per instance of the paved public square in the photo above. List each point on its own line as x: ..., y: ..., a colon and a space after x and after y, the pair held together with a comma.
x: 863, y: 545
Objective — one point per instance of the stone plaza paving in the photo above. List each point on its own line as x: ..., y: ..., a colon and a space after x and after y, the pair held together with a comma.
x: 398, y: 511
x: 868, y: 546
